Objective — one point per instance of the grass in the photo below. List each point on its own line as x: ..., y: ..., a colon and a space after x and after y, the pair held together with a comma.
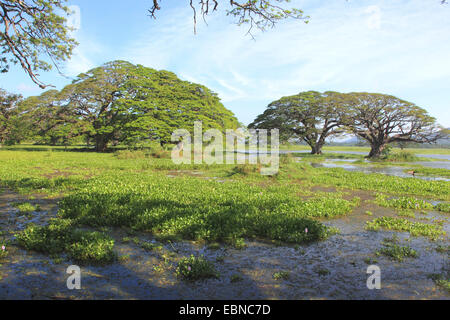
x: 393, y: 250
x: 400, y: 224
x: 195, y: 268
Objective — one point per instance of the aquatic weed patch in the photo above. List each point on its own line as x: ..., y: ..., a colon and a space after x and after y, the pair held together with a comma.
x: 382, y: 183
x: 443, y: 207
x: 26, y: 207
x: 61, y: 236
x: 195, y: 268
x: 393, y: 250
x: 400, y: 224
x: 403, y: 203
x: 224, y: 212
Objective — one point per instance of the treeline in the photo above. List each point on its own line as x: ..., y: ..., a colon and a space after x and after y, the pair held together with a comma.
x: 117, y: 103
x: 378, y: 119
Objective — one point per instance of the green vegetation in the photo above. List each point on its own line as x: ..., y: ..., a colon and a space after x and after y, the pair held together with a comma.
x: 3, y: 249
x: 195, y: 268
x: 281, y: 275
x: 236, y: 278
x: 403, y: 203
x: 61, y: 236
x: 429, y: 171
x: 443, y: 207
x: 402, y: 156
x: 441, y: 280
x: 26, y: 207
x: 154, y: 195
x: 400, y: 224
x: 392, y: 249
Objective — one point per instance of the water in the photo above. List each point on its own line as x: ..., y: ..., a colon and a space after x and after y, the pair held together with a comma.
x: 331, y: 269
x: 387, y: 170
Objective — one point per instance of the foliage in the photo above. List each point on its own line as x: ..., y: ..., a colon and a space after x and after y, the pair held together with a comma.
x: 382, y: 119
x: 12, y: 129
x: 119, y: 102
x: 31, y: 29
x: 309, y: 116
x: 394, y: 251
x: 281, y: 275
x: 400, y: 224
x: 26, y: 207
x: 403, y: 203
x: 442, y: 280
x: 61, y: 236
x: 195, y: 268
x: 443, y: 207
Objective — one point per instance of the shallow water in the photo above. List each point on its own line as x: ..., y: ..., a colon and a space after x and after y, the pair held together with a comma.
x: 331, y: 269
x: 387, y: 170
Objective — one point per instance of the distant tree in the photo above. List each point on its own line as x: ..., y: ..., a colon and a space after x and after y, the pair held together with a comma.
x: 30, y: 30
x: 309, y: 116
x: 383, y: 119
x: 12, y: 129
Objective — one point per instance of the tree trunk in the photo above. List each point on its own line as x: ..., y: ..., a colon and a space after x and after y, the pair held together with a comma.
x: 376, y: 150
x: 317, y: 149
x: 101, y: 143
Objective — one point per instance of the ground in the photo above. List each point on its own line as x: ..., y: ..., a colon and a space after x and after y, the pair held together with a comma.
x: 129, y: 220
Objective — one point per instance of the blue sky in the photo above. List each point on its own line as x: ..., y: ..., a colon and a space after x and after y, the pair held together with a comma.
x: 399, y: 47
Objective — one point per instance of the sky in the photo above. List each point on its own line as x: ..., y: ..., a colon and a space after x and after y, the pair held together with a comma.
x: 398, y: 47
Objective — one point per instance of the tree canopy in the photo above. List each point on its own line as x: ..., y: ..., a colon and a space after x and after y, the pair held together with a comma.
x: 381, y: 119
x: 121, y: 102
x: 31, y: 30
x: 309, y: 116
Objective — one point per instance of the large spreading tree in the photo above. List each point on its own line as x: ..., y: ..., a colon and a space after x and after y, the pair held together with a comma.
x: 121, y: 102
x: 309, y: 116
x: 382, y: 119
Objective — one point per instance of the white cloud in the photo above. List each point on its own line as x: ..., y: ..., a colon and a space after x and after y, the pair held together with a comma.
x: 374, y: 20
x: 385, y: 46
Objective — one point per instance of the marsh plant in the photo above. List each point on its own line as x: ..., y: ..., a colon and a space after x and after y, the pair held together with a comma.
x: 195, y: 268
x: 392, y: 248
x: 400, y: 224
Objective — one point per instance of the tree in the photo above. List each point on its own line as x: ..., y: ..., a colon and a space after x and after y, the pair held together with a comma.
x: 161, y: 103
x: 260, y: 14
x: 310, y: 116
x: 382, y: 119
x: 11, y: 126
x: 94, y: 98
x: 50, y: 121
x: 121, y: 102
x: 31, y: 29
